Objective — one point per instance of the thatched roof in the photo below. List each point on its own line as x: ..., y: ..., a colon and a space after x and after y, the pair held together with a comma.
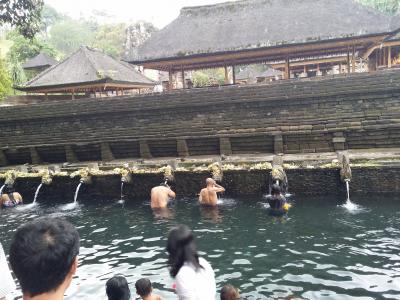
x: 87, y: 67
x: 42, y: 60
x: 254, y: 71
x: 253, y: 24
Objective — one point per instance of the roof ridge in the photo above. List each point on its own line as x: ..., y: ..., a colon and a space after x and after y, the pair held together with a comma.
x: 86, y: 49
x: 41, y: 74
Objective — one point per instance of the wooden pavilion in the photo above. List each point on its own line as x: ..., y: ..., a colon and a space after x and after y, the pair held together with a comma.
x: 39, y: 63
x: 88, y: 71
x: 295, y: 34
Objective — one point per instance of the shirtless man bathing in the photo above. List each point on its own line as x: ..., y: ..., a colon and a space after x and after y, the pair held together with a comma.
x: 160, y: 196
x: 208, y: 195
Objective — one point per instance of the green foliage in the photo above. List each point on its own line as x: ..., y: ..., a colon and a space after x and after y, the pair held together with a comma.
x: 387, y: 6
x: 5, y: 81
x: 49, y: 17
x: 208, y: 77
x: 24, y: 14
x: 110, y: 38
x: 23, y: 48
x: 68, y: 35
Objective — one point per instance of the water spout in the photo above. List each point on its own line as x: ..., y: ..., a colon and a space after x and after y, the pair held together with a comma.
x: 37, y: 192
x: 122, y: 190
x: 350, y: 206
x: 77, y: 191
x: 1, y: 189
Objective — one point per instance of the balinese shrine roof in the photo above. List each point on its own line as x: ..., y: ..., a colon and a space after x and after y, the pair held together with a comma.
x: 87, y: 67
x: 42, y: 60
x: 256, y: 24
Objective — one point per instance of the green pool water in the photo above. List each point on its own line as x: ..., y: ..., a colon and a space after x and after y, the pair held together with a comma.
x: 321, y: 251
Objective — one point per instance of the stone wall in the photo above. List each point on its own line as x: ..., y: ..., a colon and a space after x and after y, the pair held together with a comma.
x: 365, y: 180
x: 330, y: 114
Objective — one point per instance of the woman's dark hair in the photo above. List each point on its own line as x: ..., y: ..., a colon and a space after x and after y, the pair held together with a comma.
x: 181, y: 248
x: 9, y: 189
x: 117, y: 288
x: 276, y: 189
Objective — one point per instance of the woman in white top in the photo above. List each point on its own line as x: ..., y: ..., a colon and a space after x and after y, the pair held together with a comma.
x: 195, y: 279
x: 7, y: 284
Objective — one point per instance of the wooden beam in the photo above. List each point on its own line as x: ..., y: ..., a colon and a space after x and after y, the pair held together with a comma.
x: 226, y: 75
x: 348, y: 61
x: 267, y: 54
x: 170, y: 80
x: 287, y: 68
x: 233, y: 75
x: 183, y: 78
x: 389, y: 57
x: 353, y: 60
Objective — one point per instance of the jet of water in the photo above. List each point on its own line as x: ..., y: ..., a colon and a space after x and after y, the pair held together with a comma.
x: 349, y: 205
x: 77, y: 191
x: 122, y: 190
x: 37, y: 192
x: 1, y: 189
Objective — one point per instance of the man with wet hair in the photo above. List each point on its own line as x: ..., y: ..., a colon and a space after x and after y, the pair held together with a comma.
x: 160, y: 196
x: 229, y: 292
x: 145, y: 290
x: 117, y: 288
x: 208, y: 195
x: 43, y: 256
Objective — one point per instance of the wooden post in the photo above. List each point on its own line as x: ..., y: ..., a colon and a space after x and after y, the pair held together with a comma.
x: 73, y: 95
x: 353, y: 65
x: 183, y: 78
x: 170, y: 79
x: 340, y: 68
x: 233, y: 75
x: 287, y: 68
x: 384, y: 56
x: 389, y: 57
x: 226, y: 75
x: 376, y: 59
x: 348, y: 61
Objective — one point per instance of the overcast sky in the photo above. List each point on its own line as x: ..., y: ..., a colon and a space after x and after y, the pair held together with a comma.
x: 159, y: 12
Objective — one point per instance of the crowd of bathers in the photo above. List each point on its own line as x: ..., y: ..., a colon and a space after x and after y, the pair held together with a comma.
x: 162, y: 194
x: 44, y: 255
x: 44, y: 259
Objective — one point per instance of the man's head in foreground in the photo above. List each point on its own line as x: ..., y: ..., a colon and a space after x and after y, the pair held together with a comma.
x: 43, y: 256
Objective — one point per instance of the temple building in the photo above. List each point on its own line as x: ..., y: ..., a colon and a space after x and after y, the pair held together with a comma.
x: 39, y: 63
x: 300, y: 38
x: 89, y: 72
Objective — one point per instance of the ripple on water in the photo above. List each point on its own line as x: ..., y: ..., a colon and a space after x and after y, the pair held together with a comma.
x: 320, y: 252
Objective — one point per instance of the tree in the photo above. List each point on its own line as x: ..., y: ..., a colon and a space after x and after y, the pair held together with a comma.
x: 69, y: 35
x: 387, y: 6
x: 208, y: 77
x: 23, y: 48
x: 5, y: 81
x: 49, y: 17
x: 24, y: 14
x: 110, y: 38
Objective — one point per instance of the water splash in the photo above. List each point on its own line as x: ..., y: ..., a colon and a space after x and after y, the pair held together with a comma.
x: 77, y: 191
x: 1, y: 189
x: 350, y: 206
x: 122, y: 190
x: 37, y: 192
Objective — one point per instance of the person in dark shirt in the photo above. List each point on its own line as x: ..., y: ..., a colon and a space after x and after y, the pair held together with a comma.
x: 276, y: 201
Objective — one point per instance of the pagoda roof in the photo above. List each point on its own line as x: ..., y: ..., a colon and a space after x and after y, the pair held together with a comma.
x: 87, y: 67
x: 39, y: 61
